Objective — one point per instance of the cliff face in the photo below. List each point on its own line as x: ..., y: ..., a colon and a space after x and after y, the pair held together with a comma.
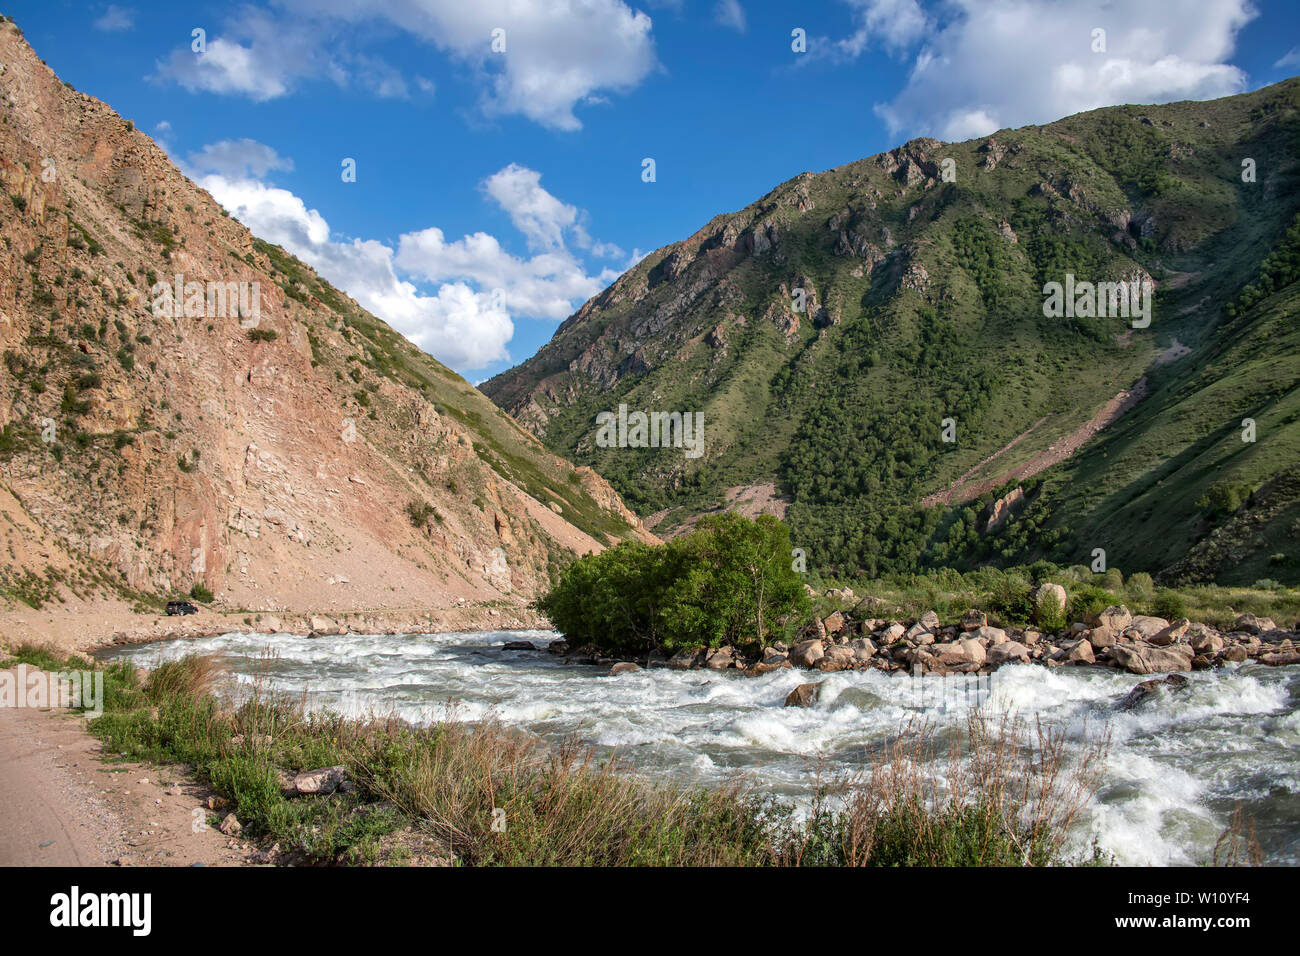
x: 291, y: 452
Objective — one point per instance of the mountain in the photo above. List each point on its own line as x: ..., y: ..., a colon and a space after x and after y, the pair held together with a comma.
x: 924, y: 275
x: 289, y: 452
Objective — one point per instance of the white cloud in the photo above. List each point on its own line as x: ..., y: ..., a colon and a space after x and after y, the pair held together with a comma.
x: 996, y: 63
x: 263, y: 57
x: 115, y: 19
x: 236, y: 158
x: 897, y: 23
x: 536, y: 213
x: 1288, y: 59
x: 559, y: 53
x: 466, y: 321
x: 730, y: 14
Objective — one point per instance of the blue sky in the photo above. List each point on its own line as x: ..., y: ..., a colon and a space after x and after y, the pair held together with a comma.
x: 497, y: 190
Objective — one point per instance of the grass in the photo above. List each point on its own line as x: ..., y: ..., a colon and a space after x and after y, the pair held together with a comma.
x: 1005, y: 594
x: 489, y: 796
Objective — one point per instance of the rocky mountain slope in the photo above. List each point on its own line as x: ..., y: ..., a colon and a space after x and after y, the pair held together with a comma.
x: 299, y: 457
x: 872, y: 340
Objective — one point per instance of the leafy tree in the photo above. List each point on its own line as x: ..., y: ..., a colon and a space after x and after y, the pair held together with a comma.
x: 729, y: 581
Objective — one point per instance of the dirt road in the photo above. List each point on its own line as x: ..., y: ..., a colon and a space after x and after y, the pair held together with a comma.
x: 62, y: 805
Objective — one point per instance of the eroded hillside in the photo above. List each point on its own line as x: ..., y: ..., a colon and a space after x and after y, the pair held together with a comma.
x: 298, y: 456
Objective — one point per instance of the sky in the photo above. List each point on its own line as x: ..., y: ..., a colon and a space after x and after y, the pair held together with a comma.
x: 472, y: 171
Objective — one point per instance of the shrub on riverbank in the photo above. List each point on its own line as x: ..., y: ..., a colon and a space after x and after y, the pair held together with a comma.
x: 730, y: 581
x: 484, y: 795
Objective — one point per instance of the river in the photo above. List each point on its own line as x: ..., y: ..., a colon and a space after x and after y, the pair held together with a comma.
x: 1176, y: 768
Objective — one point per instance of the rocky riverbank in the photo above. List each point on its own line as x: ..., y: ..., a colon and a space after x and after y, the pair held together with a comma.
x: 86, y: 627
x: 1116, y: 638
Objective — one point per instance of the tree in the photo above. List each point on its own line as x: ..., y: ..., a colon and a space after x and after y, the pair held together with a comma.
x: 729, y: 581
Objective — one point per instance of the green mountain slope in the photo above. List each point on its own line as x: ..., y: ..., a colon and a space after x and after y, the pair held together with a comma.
x: 924, y: 303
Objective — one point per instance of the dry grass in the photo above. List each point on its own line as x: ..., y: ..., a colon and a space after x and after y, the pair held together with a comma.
x: 1010, y: 794
x: 1237, y: 845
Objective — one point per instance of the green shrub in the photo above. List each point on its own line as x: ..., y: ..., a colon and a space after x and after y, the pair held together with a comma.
x: 1168, y: 604
x: 1225, y: 497
x: 727, y: 582
x: 1140, y: 585
x: 1090, y: 599
x: 201, y: 593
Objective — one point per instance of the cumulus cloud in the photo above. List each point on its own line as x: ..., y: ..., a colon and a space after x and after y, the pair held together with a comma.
x: 995, y: 63
x: 466, y: 321
x: 535, y: 212
x: 558, y: 53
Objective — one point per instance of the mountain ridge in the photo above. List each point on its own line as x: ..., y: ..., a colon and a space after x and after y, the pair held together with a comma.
x: 923, y: 298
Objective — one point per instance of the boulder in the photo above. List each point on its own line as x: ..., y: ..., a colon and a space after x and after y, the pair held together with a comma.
x: 321, y: 626
x: 1146, y: 659
x: 1101, y: 636
x: 891, y: 633
x: 1116, y: 617
x: 1080, y: 652
x: 1252, y: 624
x: 807, y: 653
x: 959, y: 652
x: 916, y: 631
x: 1031, y: 637
x: 836, y: 658
x: 1234, y: 653
x: 834, y: 623
x: 1007, y: 651
x: 319, y: 782
x: 1170, y: 634
x: 719, y: 659
x: 519, y: 646
x: 930, y: 621
x: 990, y: 635
x: 685, y: 659
x: 231, y: 826
x: 623, y: 667
x: 557, y: 647
x: 1279, y: 658
x: 973, y: 620
x: 1149, y: 688
x: 766, y: 667
x: 1143, y: 627
x: 863, y: 648
x: 1050, y: 597
x: 805, y: 695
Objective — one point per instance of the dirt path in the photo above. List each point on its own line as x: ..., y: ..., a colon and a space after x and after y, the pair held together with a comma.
x: 965, y: 490
x: 62, y: 805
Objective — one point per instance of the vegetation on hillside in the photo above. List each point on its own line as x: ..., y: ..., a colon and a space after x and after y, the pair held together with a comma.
x: 926, y: 305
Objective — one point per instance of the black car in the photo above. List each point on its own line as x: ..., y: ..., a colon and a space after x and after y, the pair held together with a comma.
x: 181, y: 607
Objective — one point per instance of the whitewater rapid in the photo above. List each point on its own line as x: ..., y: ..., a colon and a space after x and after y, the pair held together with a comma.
x: 1176, y: 768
